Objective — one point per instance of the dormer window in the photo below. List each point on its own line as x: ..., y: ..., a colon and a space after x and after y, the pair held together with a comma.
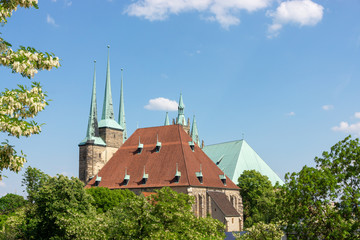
x: 192, y: 145
x: 199, y: 175
x: 97, y: 181
x: 145, y: 177
x: 177, y: 174
x: 223, y: 179
x: 158, y: 145
x: 140, y: 147
x: 126, y: 178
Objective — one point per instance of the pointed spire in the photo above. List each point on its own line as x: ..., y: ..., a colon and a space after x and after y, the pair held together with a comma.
x: 121, y: 119
x: 167, y: 119
x: 92, y: 132
x: 107, y: 118
x: 194, y: 132
x: 181, y: 118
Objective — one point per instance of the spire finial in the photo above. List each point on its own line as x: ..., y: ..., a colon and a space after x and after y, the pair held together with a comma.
x: 167, y: 122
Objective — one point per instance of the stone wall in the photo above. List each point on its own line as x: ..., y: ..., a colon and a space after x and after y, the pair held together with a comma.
x: 91, y: 159
x: 112, y: 137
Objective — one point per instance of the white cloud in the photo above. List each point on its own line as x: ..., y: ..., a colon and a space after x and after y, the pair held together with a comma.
x: 290, y: 114
x: 225, y: 12
x: 327, y: 107
x: 300, y: 12
x: 348, y: 128
x: 51, y: 20
x: 357, y: 115
x: 162, y: 104
x: 68, y: 3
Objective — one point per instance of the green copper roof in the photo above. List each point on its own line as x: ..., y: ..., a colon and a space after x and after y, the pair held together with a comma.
x: 181, y: 117
x: 194, y: 132
x: 92, y: 133
x: 121, y: 119
x: 107, y: 119
x: 167, y: 122
x: 235, y: 157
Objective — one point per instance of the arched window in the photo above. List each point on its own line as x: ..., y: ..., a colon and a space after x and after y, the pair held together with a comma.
x: 201, y: 206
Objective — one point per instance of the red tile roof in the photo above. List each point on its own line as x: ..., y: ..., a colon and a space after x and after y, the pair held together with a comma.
x: 160, y: 166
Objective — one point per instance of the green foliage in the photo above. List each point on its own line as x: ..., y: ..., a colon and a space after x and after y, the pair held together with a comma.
x: 323, y: 202
x: 10, y: 202
x: 33, y: 180
x: 258, y: 196
x: 164, y: 215
x: 262, y: 231
x: 8, y: 205
x: 106, y: 199
x: 20, y: 106
x: 60, y: 209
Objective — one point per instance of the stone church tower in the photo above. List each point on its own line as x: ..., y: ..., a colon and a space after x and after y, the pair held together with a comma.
x: 102, y: 139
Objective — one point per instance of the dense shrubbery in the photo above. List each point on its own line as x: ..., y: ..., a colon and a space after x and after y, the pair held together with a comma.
x: 60, y: 208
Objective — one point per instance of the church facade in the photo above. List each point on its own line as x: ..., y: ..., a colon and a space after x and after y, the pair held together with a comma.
x: 153, y: 158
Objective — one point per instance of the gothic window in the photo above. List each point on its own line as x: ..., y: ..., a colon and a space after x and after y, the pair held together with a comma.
x: 201, y: 205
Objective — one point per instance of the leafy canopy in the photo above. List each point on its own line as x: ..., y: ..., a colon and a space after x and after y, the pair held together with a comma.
x: 258, y: 196
x: 106, y: 199
x: 324, y: 202
x: 19, y: 106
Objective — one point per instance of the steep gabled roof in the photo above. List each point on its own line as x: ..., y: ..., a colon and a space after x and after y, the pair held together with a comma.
x: 223, y: 204
x: 237, y: 156
x: 160, y: 167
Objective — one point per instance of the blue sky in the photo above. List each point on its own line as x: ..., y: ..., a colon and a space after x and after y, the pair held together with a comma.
x: 286, y: 74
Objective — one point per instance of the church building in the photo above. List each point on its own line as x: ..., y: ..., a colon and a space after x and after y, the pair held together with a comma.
x: 169, y: 155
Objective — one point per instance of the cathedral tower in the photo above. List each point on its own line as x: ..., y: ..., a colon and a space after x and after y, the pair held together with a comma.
x: 92, y: 148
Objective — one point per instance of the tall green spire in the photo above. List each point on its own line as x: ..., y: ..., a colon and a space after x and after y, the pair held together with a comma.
x: 92, y: 133
x: 167, y: 122
x: 121, y: 119
x: 194, y: 132
x: 181, y: 117
x: 107, y: 118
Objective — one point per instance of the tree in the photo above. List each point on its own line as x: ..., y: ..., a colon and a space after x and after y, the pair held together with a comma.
x: 164, y: 215
x: 262, y: 231
x: 323, y: 202
x: 258, y: 196
x: 10, y: 202
x: 8, y: 205
x: 33, y: 179
x: 19, y: 106
x: 106, y: 199
x: 61, y: 209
